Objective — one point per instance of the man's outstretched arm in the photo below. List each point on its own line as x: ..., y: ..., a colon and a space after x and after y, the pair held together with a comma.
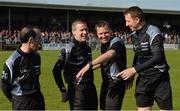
x: 96, y: 63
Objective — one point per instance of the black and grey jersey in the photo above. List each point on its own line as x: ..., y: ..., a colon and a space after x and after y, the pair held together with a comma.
x: 21, y: 73
x: 74, y: 56
x: 80, y: 55
x: 149, y: 51
x: 113, y: 66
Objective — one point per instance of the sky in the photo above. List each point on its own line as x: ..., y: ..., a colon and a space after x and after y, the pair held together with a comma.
x: 168, y: 5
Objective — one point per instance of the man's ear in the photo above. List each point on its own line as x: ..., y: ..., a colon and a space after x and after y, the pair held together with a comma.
x: 73, y: 32
x: 137, y: 19
x: 30, y: 40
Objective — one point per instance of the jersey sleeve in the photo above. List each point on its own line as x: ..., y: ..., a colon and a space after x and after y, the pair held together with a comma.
x: 116, y: 46
x: 157, y: 51
x: 157, y: 44
x: 6, y: 82
x: 156, y: 58
x: 57, y: 70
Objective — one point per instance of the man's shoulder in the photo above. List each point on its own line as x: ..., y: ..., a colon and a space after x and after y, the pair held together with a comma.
x: 153, y: 30
x: 66, y: 47
x: 116, y: 40
x: 36, y: 53
x: 13, y: 57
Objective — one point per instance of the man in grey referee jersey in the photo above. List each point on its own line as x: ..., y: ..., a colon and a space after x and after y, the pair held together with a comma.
x: 21, y: 71
x: 153, y: 82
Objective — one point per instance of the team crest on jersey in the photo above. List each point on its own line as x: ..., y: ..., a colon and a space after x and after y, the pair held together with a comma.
x: 23, y: 70
x: 144, y: 46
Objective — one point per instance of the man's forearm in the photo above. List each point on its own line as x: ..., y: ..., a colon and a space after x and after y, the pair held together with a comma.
x: 96, y: 66
x: 104, y: 57
x: 6, y: 90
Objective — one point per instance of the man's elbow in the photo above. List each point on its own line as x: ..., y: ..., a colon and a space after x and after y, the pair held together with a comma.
x: 111, y: 53
x: 6, y: 90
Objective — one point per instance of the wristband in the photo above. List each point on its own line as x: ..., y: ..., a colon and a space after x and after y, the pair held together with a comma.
x: 90, y: 64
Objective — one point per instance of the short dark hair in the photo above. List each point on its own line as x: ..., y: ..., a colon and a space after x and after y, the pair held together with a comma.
x: 135, y: 11
x: 77, y: 21
x: 26, y: 33
x: 102, y: 23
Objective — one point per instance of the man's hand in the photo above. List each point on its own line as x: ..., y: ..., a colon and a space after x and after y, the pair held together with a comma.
x: 127, y: 73
x: 129, y: 82
x: 64, y: 96
x: 82, y: 71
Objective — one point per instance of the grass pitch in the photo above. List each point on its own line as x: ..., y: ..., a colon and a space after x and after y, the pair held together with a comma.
x: 53, y: 96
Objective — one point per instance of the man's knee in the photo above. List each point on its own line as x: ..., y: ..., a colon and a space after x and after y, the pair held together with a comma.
x: 144, y: 108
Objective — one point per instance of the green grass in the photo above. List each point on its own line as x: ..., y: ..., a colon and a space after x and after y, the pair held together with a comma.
x: 53, y: 96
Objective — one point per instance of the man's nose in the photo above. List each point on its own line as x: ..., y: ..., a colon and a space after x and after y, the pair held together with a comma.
x: 104, y: 35
x: 85, y: 32
x: 127, y: 24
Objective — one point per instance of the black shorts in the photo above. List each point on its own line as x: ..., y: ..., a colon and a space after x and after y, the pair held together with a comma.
x: 33, y: 101
x: 112, y: 95
x: 83, y: 96
x: 152, y: 88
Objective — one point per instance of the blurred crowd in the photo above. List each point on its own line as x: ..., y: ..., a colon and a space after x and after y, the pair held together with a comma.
x: 56, y: 37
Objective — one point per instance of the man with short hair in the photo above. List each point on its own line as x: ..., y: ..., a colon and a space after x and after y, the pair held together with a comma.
x: 21, y: 71
x: 82, y: 94
x: 112, y: 61
x: 153, y: 82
